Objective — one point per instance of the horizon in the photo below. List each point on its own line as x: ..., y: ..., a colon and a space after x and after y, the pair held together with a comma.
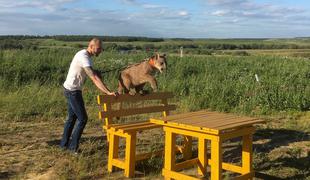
x: 198, y: 19
x: 198, y: 38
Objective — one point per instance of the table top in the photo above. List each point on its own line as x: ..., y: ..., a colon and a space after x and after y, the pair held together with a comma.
x: 206, y: 121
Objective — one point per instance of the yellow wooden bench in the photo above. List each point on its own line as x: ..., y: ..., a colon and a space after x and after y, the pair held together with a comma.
x: 129, y: 131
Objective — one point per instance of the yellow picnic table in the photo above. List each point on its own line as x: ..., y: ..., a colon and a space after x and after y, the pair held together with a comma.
x: 215, y: 127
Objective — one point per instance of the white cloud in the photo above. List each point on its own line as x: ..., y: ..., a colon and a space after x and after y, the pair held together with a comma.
x: 40, y: 4
x: 220, y: 13
x: 183, y: 13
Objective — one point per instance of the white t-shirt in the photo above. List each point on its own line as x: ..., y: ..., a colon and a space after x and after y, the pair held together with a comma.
x: 76, y: 75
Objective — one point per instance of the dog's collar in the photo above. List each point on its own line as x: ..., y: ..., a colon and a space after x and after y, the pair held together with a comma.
x: 152, y: 62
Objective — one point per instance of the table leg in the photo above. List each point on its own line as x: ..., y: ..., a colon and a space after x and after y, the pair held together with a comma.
x: 187, y: 154
x: 170, y: 138
x: 216, y: 159
x: 247, y: 154
x: 202, y: 156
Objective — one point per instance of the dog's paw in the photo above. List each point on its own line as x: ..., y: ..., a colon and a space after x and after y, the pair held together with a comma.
x: 132, y: 93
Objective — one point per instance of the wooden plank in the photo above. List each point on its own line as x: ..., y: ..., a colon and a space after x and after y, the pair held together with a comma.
x: 129, y: 98
x: 228, y: 167
x: 135, y: 111
x: 130, y: 155
x: 201, y: 119
x: 170, y: 138
x: 208, y: 119
x: 202, y: 157
x: 237, y: 133
x: 118, y: 163
x: 202, y: 116
x: 216, y: 159
x: 192, y: 128
x: 165, y: 103
x: 113, y: 151
x: 186, y: 115
x: 214, y: 124
x: 245, y: 176
x: 239, y: 124
x: 175, y: 175
x: 247, y: 154
x: 229, y: 122
x: 139, y: 128
x: 197, y: 134
x: 115, y: 127
x: 186, y: 164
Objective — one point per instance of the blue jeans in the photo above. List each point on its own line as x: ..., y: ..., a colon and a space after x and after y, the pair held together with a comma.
x: 76, y: 111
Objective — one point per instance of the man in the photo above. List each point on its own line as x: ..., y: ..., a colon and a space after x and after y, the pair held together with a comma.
x: 80, y: 66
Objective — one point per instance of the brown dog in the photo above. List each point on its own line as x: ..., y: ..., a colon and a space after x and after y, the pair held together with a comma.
x: 137, y: 75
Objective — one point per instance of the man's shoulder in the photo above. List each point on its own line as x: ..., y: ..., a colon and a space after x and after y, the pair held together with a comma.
x: 82, y: 55
x: 82, y: 52
x: 82, y: 58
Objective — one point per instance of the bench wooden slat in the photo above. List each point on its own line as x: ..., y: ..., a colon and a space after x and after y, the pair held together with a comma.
x: 139, y: 128
x: 119, y: 126
x: 135, y: 111
x: 129, y: 98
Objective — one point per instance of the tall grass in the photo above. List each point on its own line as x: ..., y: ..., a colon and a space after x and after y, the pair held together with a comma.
x: 31, y: 80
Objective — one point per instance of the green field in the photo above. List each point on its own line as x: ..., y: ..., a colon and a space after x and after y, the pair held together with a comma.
x: 214, y: 74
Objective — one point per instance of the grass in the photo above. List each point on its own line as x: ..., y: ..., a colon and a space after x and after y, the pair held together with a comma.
x: 33, y: 108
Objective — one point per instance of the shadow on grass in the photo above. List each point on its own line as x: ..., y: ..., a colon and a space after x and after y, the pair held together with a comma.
x: 277, y: 138
x: 100, y: 141
x: 272, y: 139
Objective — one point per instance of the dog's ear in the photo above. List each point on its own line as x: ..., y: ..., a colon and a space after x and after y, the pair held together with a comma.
x: 157, y: 55
x: 164, y: 55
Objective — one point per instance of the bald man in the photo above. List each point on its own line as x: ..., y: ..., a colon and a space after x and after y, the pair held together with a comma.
x: 80, y: 67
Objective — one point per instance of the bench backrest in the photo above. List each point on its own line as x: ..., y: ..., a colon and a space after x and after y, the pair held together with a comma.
x: 106, y: 102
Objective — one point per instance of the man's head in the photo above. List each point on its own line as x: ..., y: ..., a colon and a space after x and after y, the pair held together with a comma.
x: 94, y: 47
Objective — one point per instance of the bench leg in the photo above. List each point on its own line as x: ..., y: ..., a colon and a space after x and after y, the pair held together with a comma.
x: 130, y: 155
x: 247, y: 154
x: 113, y: 150
x: 187, y: 154
x: 202, y: 157
x: 216, y: 159
x: 169, y: 151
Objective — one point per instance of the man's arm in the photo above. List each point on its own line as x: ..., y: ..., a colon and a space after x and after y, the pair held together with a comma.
x: 97, y: 81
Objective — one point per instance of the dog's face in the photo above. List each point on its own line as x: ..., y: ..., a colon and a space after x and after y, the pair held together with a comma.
x: 160, y: 62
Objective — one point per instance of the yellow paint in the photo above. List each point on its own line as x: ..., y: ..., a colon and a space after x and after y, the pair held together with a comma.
x: 128, y: 131
x: 186, y: 164
x: 202, y: 161
x: 169, y: 150
x: 130, y: 155
x: 183, y: 126
x: 113, y: 150
x: 187, y: 154
x: 177, y: 176
x: 216, y: 158
x: 247, y: 154
x: 202, y: 156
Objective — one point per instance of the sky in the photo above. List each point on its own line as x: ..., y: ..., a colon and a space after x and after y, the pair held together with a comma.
x: 164, y: 19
